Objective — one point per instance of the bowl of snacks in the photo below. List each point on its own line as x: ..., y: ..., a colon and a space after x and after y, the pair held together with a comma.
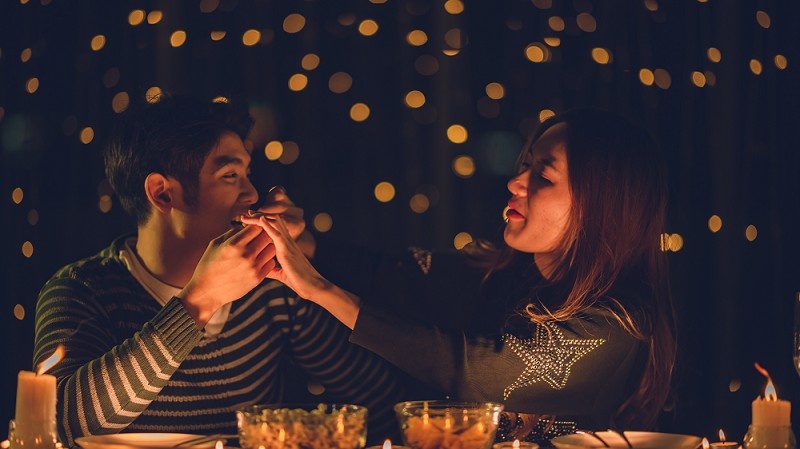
x: 299, y: 426
x: 444, y: 424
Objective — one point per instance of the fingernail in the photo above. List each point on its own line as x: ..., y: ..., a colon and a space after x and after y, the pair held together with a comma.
x: 277, y: 189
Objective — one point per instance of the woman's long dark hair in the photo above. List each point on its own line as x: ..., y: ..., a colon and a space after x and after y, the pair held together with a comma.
x: 619, y: 200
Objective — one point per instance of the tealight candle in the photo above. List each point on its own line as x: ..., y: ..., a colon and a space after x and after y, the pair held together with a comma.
x: 722, y: 443
x: 516, y: 444
x: 388, y: 445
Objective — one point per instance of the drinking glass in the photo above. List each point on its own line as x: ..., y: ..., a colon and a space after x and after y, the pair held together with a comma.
x: 796, y: 350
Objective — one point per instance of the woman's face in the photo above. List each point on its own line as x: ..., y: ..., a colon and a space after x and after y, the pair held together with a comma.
x: 539, y: 208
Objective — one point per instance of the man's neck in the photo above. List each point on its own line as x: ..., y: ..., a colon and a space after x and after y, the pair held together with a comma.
x: 167, y: 256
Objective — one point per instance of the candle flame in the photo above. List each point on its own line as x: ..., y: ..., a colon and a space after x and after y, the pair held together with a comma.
x: 387, y: 444
x: 721, y: 435
x: 515, y: 445
x: 52, y: 360
x: 281, y: 435
x: 219, y: 445
x: 769, y: 392
x: 705, y: 444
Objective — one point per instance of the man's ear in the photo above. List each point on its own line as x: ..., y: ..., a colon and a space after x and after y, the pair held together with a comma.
x: 159, y: 191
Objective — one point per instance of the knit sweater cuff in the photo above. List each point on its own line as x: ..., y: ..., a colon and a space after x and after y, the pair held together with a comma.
x: 177, y: 329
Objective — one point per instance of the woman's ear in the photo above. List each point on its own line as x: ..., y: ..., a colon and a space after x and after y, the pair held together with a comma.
x: 159, y: 191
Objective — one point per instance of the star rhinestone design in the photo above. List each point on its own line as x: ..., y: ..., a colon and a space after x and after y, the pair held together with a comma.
x: 548, y: 357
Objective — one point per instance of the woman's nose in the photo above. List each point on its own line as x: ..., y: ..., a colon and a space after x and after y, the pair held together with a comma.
x: 518, y: 185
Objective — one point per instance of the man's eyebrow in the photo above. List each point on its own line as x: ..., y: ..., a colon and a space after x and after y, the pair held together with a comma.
x: 223, y: 160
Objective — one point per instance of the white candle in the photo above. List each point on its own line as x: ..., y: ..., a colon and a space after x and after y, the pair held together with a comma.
x: 771, y: 413
x: 35, y: 415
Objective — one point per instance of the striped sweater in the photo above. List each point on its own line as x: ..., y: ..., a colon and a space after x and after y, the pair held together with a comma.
x: 132, y: 365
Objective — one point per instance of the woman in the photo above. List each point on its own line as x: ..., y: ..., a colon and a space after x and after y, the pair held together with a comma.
x: 587, y: 342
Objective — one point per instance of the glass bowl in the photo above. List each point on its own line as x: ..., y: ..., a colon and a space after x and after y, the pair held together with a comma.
x: 447, y: 424
x: 297, y: 426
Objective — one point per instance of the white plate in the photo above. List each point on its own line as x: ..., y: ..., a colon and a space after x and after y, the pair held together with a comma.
x: 639, y: 440
x: 141, y: 440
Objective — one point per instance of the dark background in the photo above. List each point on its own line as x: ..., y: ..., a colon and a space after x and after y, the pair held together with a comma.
x: 731, y: 144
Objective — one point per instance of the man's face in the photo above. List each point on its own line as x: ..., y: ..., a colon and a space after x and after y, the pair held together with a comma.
x: 224, y: 190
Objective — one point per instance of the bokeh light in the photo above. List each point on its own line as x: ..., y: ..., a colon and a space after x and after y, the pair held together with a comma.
x: 457, y: 133
x: 323, y: 222
x: 384, y: 191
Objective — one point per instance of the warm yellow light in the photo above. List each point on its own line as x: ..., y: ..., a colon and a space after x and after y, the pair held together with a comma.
x: 251, y: 37
x: 464, y: 166
x: 291, y: 152
x: 323, y: 222
x: 675, y: 242
x: 298, y: 82
x: 714, y: 55
x: 646, y: 77
x: 27, y: 249
x: 698, y: 79
x: 120, y: 102
x: 601, y: 55
x: 586, y: 22
x: 556, y: 23
x: 136, y: 17
x: 545, y: 114
x: 415, y: 99
x: 450, y: 52
x: 419, y: 203
x: 651, y: 5
x: 368, y: 27
x: 384, y: 191
x: 98, y: 42
x: 454, y: 6
x: 310, y: 61
x: 457, y: 133
x: 340, y: 82
x: 714, y: 223
x: 461, y: 240
x: 359, y: 112
x: 536, y: 52
x: 19, y: 312
x: 416, y: 38
x: 25, y: 54
x: 218, y: 35
x: 495, y: 91
x: 780, y: 62
x: 273, y: 150
x: 87, y: 135
x: 153, y: 94
x: 16, y: 195
x: 750, y: 233
x: 293, y: 23
x: 763, y: 19
x: 32, y: 85
x: 155, y: 16
x: 552, y: 41
x: 755, y: 66
x: 178, y: 38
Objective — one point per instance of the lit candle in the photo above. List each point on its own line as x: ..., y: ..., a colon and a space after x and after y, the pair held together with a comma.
x: 722, y: 443
x: 770, y: 411
x: 388, y: 445
x: 771, y: 425
x: 516, y: 444
x: 35, y: 414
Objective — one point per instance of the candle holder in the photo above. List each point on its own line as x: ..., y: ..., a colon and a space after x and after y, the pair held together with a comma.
x: 769, y: 437
x: 37, y: 437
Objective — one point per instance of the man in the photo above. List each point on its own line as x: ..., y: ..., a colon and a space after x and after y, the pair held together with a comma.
x: 173, y: 328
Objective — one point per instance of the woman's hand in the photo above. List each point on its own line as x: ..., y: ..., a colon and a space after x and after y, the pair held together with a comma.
x: 277, y: 202
x: 297, y: 273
